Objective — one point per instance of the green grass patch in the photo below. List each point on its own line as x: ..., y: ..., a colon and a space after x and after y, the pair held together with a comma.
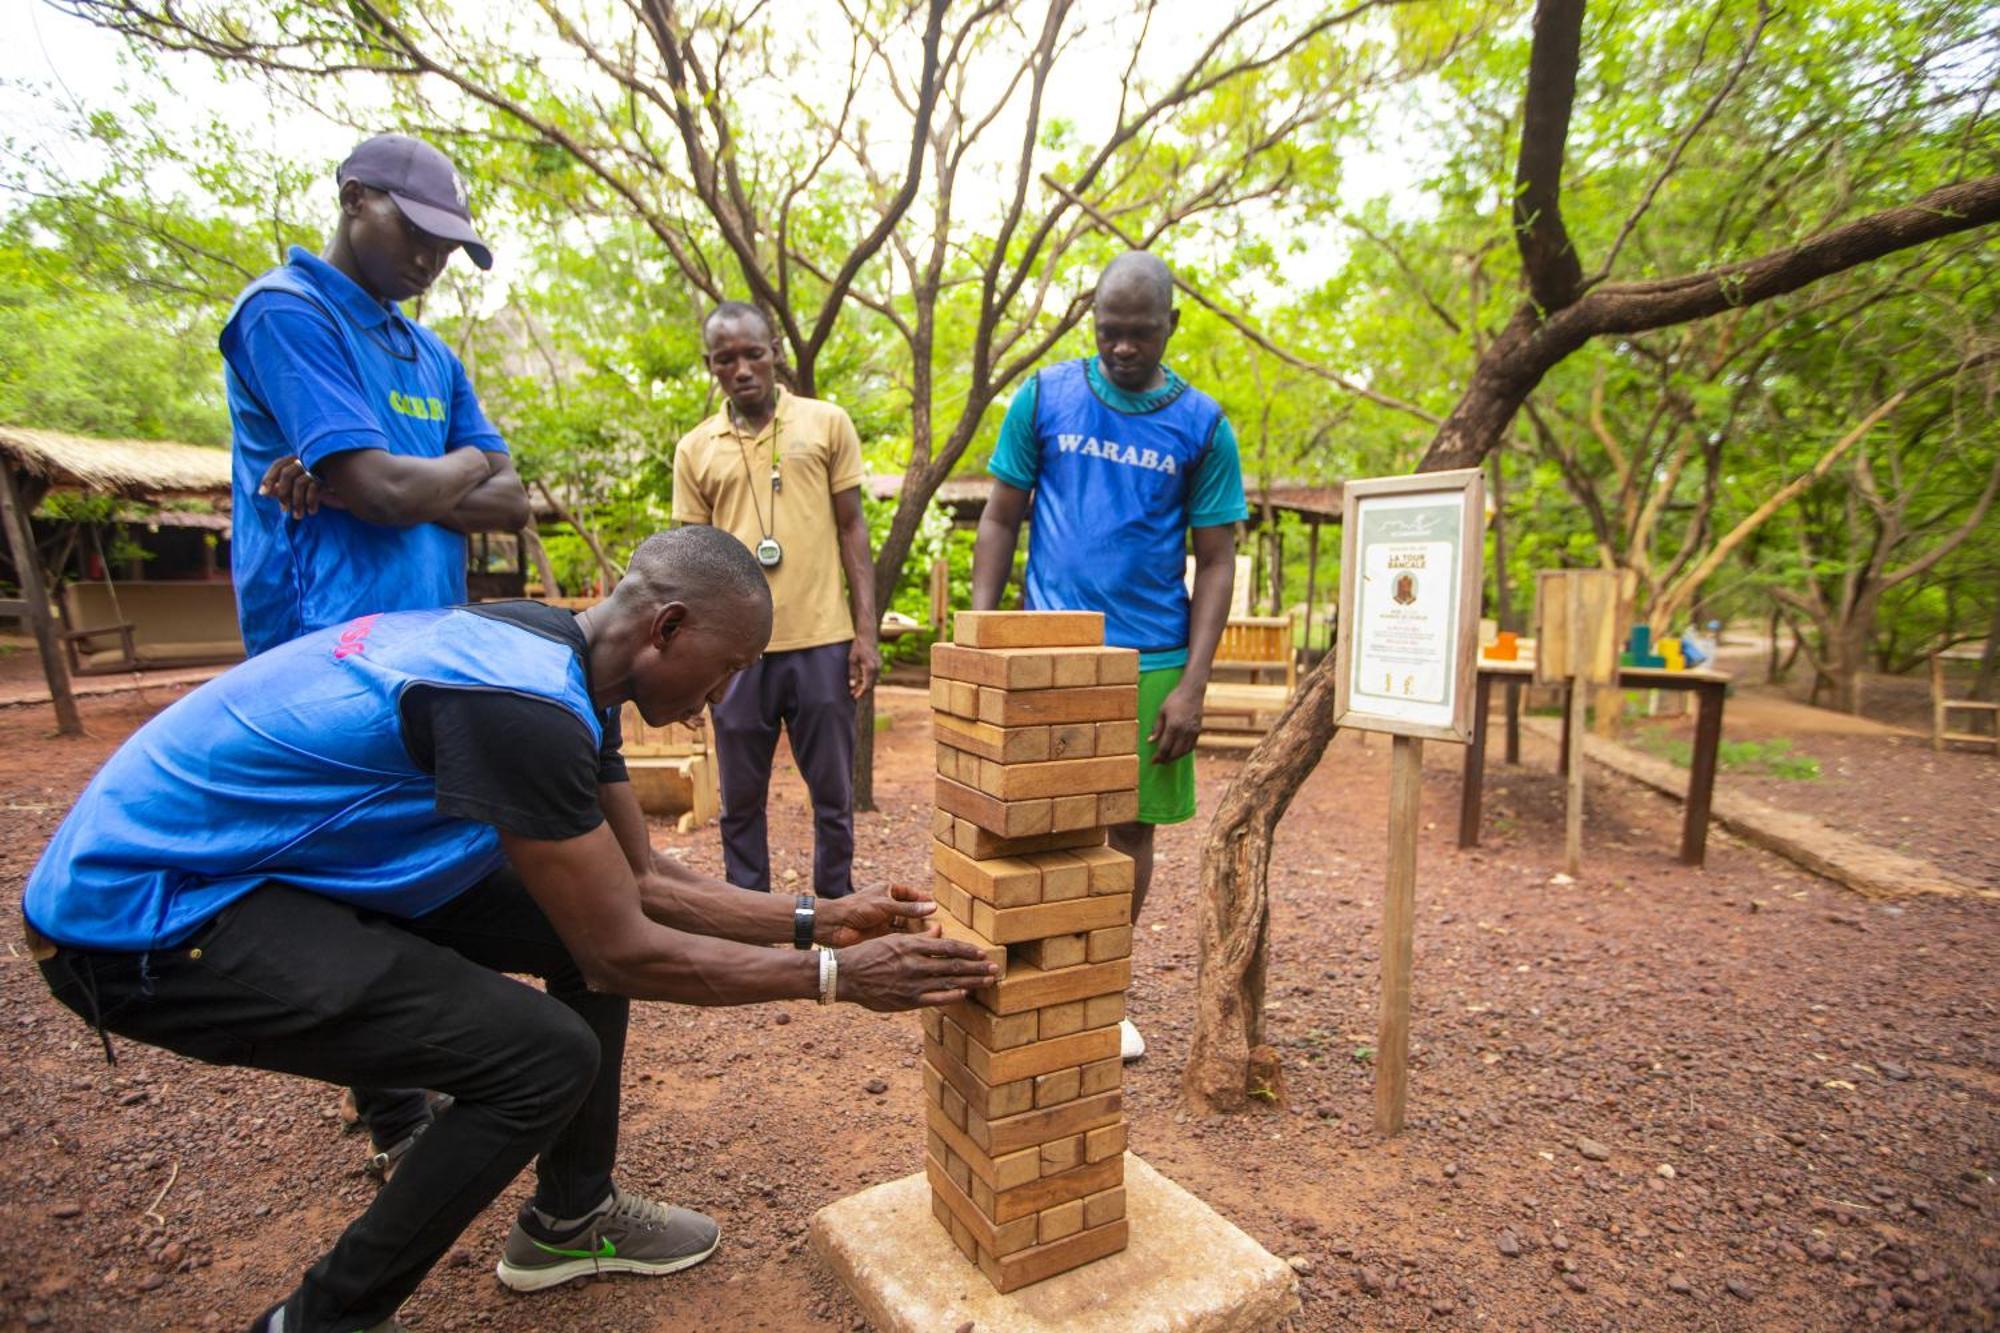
x: 1774, y: 758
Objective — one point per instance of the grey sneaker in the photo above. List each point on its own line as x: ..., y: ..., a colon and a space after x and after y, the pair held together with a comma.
x: 631, y: 1235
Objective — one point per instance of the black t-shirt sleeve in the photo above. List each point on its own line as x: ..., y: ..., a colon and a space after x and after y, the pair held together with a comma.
x: 610, y: 755
x: 524, y: 765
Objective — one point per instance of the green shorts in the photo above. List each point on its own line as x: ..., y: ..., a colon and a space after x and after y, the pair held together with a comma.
x: 1166, y: 791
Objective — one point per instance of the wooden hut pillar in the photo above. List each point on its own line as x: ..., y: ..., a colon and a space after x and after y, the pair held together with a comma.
x: 34, y: 601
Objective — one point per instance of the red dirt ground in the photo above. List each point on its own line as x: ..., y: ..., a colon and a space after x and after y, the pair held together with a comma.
x: 1821, y: 1074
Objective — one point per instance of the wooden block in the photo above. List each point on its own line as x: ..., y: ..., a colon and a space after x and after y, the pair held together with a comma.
x: 958, y: 1172
x: 1109, y: 1141
x: 1027, y: 1267
x: 1114, y: 738
x: 1110, y: 871
x: 981, y: 1098
x: 1010, y: 925
x: 1028, y: 987
x: 1059, y: 1155
x: 933, y: 1023
x: 1111, y: 942
x: 1073, y: 740
x: 955, y: 902
x: 962, y: 1236
x: 1103, y: 1010
x: 936, y: 1144
x: 1058, y: 1020
x: 952, y: 1104
x: 979, y: 844
x: 1031, y: 1129
x: 995, y: 1238
x: 1101, y: 1076
x: 1026, y: 1200
x: 1107, y: 1206
x: 1009, y: 745
x: 947, y: 762
x: 1028, y: 629
x: 952, y: 928
x: 1001, y: 880
x: 1001, y: 1172
x: 941, y: 1211
x: 941, y: 823
x: 1057, y: 1088
x: 1063, y: 876
x: 996, y: 1032
x: 1072, y: 669
x: 1057, y: 777
x: 952, y: 1043
x: 1028, y: 708
x: 1039, y: 1057
x: 1013, y: 669
x: 1118, y: 807
x: 957, y: 698
x: 1009, y: 819
x: 1054, y: 951
x: 1118, y: 666
x: 1065, y: 1219
x: 1074, y: 812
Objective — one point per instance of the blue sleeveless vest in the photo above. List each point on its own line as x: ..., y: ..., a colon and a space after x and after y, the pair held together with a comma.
x: 1109, y: 530
x: 289, y: 767
x: 297, y: 575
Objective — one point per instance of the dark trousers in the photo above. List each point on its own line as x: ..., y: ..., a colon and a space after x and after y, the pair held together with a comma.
x: 289, y: 981
x: 805, y: 691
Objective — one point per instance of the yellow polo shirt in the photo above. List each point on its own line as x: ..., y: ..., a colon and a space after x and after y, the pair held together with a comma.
x: 722, y: 477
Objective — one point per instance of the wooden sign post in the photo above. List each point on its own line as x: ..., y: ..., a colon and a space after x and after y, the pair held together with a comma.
x: 1576, y: 645
x: 1410, y: 578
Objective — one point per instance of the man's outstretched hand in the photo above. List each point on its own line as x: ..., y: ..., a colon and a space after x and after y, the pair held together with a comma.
x: 911, y: 972
x: 871, y: 913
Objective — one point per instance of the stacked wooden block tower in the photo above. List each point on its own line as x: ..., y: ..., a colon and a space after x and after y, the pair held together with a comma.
x: 1037, y: 739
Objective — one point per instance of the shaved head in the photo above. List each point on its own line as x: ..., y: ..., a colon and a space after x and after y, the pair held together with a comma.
x: 1138, y: 275
x: 706, y: 569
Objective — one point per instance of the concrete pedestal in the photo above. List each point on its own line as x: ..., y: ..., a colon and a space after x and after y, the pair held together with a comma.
x: 1186, y: 1270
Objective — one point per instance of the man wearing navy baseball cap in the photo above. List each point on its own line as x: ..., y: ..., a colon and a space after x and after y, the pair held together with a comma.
x: 362, y: 458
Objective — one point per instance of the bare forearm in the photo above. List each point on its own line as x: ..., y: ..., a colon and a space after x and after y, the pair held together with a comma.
x: 1208, y: 612
x: 398, y: 491
x: 860, y: 571
x: 992, y: 562
x: 677, y: 897
x: 497, y: 504
x: 688, y: 969
x: 628, y: 824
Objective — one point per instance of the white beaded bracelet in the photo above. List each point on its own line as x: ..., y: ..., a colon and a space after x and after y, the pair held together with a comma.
x: 829, y: 976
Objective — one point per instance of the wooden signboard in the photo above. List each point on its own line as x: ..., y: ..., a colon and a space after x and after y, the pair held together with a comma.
x: 1577, y: 636
x: 1410, y: 580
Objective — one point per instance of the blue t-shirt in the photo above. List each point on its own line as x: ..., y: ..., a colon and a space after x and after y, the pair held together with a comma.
x: 1212, y: 496
x: 314, y: 366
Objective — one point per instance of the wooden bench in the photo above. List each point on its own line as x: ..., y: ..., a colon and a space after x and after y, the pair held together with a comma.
x: 673, y: 770
x: 1943, y: 707
x: 1239, y: 707
x: 149, y: 625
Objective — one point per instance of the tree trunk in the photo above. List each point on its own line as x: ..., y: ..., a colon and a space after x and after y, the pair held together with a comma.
x: 1235, y: 909
x: 889, y: 561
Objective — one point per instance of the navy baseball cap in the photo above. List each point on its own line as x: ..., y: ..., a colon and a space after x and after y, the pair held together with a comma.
x: 424, y: 184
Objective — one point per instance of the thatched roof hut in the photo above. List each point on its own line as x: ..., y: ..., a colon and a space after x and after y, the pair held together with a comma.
x: 144, y: 470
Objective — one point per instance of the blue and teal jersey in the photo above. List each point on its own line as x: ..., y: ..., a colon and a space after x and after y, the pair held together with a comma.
x: 1118, y: 480
x: 314, y: 366
x: 290, y: 767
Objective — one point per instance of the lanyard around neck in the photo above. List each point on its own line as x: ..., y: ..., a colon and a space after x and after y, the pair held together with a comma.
x: 769, y: 530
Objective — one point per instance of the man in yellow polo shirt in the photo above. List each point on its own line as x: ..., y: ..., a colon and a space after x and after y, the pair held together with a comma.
x: 783, y: 474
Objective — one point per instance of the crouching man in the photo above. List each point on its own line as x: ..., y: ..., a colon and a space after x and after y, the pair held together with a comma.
x: 325, y: 861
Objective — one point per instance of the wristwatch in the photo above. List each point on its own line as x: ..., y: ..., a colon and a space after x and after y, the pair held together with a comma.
x: 803, y: 911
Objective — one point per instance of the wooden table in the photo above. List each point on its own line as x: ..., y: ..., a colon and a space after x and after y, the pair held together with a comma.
x: 1708, y: 688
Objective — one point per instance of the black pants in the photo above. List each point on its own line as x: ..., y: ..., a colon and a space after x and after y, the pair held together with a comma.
x: 804, y: 691
x: 289, y: 981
